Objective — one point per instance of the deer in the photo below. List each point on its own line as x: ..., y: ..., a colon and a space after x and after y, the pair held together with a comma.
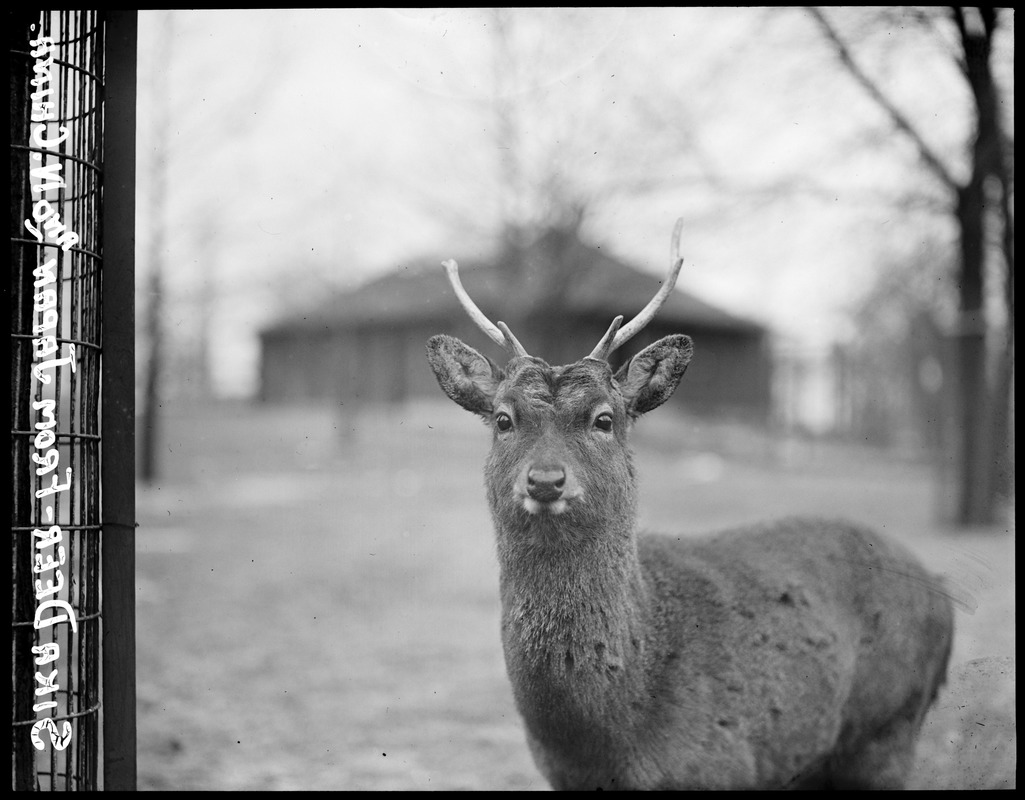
x: 793, y: 654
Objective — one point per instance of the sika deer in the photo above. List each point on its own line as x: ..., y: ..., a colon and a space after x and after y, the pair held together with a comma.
x: 798, y: 654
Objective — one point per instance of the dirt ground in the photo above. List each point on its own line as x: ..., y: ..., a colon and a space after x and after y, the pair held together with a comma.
x: 318, y: 594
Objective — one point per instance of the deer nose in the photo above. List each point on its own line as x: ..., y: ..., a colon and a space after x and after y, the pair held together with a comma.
x: 545, y: 484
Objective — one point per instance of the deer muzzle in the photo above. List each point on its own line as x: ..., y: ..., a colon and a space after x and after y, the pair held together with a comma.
x: 546, y: 484
x: 547, y: 488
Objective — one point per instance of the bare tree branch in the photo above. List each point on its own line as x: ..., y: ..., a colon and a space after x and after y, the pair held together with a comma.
x: 931, y: 160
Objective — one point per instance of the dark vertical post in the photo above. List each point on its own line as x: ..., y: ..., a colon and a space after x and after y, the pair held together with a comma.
x: 117, y: 413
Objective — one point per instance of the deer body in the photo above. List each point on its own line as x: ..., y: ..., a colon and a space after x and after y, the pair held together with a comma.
x: 799, y: 654
x: 728, y: 666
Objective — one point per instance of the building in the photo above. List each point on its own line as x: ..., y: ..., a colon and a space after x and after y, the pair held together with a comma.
x: 558, y: 296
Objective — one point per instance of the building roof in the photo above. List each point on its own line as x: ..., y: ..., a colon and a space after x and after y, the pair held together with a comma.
x: 601, y: 286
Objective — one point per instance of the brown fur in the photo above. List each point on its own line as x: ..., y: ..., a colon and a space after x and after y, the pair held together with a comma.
x: 799, y: 654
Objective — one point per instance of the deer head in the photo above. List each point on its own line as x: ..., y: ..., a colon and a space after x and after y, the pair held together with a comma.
x: 560, y: 432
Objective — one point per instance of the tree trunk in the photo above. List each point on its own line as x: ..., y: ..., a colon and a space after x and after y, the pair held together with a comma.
x: 974, y: 505
x: 149, y: 465
x: 984, y: 419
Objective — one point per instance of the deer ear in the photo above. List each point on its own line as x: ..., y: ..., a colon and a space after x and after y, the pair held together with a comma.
x: 465, y: 375
x: 650, y: 377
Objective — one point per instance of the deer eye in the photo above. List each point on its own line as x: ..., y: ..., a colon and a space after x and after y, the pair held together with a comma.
x: 503, y: 421
x: 603, y: 421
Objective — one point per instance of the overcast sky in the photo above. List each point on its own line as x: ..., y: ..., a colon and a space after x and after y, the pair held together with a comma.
x: 311, y: 149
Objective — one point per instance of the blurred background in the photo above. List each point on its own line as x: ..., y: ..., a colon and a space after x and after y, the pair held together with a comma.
x: 318, y: 594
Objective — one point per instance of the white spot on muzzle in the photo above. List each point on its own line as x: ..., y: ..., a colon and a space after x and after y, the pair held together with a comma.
x: 532, y: 506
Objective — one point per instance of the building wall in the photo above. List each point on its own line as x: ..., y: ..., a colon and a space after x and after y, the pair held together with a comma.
x: 729, y: 374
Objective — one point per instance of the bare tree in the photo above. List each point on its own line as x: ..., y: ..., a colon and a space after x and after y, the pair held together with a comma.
x: 186, y: 136
x: 542, y: 201
x: 149, y: 418
x: 983, y: 394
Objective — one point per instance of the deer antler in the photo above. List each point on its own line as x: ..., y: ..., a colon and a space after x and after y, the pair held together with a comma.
x: 500, y: 334
x: 605, y: 346
x: 616, y: 337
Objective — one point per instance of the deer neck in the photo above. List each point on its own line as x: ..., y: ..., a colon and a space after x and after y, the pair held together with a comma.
x: 574, y: 615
